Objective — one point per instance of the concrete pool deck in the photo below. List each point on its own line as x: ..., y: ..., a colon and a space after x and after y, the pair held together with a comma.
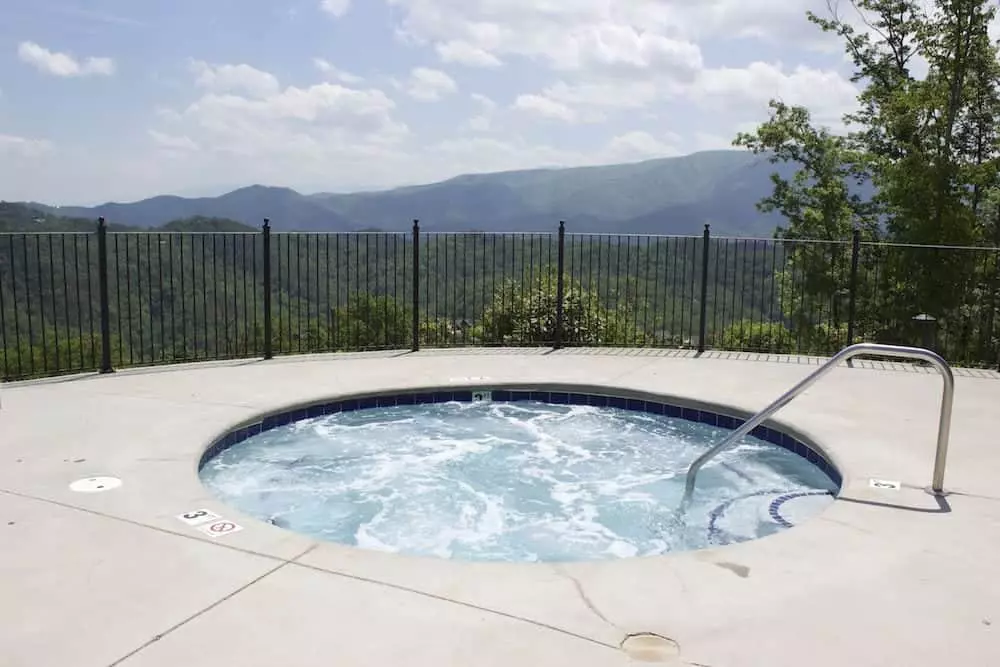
x: 882, y: 577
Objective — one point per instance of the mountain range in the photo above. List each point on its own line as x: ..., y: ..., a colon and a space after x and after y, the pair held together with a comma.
x: 675, y: 195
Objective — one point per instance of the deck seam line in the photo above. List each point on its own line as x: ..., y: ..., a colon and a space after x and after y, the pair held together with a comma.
x: 139, y: 524
x: 229, y: 596
x: 294, y: 562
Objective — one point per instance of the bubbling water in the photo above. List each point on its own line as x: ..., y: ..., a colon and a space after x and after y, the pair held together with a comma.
x: 523, y: 481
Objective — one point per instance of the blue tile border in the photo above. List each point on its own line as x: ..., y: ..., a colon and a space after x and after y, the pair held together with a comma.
x: 766, y: 433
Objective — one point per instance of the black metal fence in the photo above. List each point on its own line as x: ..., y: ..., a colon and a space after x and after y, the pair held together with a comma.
x: 73, y: 302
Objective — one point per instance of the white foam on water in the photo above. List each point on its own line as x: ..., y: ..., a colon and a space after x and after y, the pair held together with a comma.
x: 509, y: 481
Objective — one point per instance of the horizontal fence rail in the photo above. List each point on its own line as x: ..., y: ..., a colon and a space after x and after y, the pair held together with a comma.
x: 76, y: 302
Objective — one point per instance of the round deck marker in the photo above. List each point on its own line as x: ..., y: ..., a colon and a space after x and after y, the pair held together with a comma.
x: 95, y: 484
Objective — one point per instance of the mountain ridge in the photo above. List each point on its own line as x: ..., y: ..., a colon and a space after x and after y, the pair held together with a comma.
x: 673, y: 195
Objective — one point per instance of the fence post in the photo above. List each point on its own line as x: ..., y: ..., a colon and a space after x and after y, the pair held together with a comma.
x: 560, y: 284
x: 105, y: 308
x: 268, y: 343
x: 853, y: 296
x: 415, y: 347
x: 703, y: 321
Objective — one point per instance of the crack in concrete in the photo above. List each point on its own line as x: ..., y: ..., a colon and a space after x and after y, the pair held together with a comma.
x: 461, y: 603
x: 680, y: 581
x: 584, y: 597
x: 844, y: 524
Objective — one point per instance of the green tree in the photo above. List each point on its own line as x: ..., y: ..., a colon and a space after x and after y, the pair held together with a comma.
x: 524, y: 313
x: 371, y: 321
x: 819, y: 204
x: 928, y: 143
x: 817, y: 201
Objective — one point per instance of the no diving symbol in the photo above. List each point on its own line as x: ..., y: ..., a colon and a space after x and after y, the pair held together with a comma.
x: 220, y: 528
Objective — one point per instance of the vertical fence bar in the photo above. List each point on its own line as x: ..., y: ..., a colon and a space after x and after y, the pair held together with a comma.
x: 853, y: 295
x: 266, y: 259
x: 102, y: 275
x: 415, y: 346
x: 703, y: 307
x: 560, y: 284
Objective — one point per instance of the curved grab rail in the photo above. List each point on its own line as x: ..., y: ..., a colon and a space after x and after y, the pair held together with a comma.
x: 944, y: 425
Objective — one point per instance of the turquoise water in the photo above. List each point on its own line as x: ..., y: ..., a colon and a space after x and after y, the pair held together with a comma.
x: 521, y: 481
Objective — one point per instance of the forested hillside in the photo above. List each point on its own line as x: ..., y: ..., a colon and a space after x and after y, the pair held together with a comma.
x: 194, y: 289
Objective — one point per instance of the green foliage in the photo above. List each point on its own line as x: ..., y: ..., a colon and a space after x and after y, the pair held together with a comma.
x: 525, y: 313
x: 817, y: 201
x: 931, y: 148
x: 53, y: 352
x: 370, y: 321
x: 750, y: 336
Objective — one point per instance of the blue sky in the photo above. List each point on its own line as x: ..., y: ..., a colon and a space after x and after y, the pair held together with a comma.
x: 120, y: 100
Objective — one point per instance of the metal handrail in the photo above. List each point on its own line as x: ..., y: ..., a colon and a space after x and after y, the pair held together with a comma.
x: 944, y: 425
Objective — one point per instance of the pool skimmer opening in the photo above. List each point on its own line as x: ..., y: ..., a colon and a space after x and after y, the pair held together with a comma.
x: 95, y: 484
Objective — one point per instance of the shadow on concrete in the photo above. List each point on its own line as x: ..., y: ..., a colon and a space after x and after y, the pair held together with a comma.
x: 943, y: 507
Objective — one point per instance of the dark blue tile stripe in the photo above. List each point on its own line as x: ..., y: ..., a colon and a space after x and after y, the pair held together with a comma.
x: 729, y: 422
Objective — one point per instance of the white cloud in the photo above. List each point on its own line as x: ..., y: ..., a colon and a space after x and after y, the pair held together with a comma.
x: 63, y: 64
x: 363, y: 111
x: 544, y: 106
x: 23, y: 147
x: 486, y: 102
x: 480, y: 123
x: 612, y: 58
x: 567, y: 35
x: 172, y: 143
x: 335, y: 73
x: 463, y: 53
x: 828, y: 94
x: 294, y: 126
x: 631, y: 31
x: 335, y: 8
x: 642, y: 145
x: 429, y: 85
x: 234, y: 79
x: 619, y: 48
x: 609, y: 93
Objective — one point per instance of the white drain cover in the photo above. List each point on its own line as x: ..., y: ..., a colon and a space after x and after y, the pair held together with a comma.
x: 95, y: 484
